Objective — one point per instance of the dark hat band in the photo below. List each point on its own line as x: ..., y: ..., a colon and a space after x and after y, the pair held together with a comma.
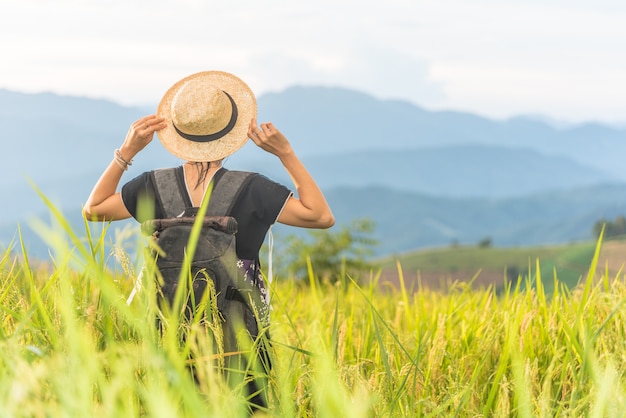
x: 217, y: 135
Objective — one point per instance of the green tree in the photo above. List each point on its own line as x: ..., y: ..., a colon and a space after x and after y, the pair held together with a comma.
x: 612, y: 229
x: 597, y: 227
x: 333, y: 253
x: 485, y: 243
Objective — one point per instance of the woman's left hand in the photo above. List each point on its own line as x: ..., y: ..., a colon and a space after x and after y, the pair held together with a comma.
x: 268, y: 138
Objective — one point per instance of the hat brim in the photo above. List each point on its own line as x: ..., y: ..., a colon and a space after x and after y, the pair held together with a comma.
x: 215, y: 150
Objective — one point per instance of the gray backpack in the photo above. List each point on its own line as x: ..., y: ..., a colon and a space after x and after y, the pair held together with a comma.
x: 215, y: 258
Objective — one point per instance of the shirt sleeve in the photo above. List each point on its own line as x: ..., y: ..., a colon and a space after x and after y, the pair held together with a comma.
x: 270, y: 198
x: 139, y: 198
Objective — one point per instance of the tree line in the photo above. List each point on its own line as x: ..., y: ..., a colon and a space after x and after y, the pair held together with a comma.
x: 612, y: 229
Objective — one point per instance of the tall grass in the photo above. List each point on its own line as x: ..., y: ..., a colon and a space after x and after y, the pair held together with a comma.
x: 71, y: 346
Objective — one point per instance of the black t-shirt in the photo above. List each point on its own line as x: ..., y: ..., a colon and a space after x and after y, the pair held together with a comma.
x: 256, y: 208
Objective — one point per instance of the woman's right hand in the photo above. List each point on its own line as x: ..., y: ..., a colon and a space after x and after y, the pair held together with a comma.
x: 140, y: 134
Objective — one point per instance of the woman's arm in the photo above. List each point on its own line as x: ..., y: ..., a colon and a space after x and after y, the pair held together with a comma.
x: 104, y: 202
x: 310, y: 209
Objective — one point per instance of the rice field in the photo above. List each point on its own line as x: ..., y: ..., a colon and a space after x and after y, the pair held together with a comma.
x: 71, y: 345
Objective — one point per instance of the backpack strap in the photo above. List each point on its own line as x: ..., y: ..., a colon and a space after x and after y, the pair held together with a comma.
x: 226, y: 190
x: 171, y: 192
x: 169, y: 189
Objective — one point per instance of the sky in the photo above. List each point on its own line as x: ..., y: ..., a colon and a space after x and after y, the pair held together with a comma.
x: 562, y: 60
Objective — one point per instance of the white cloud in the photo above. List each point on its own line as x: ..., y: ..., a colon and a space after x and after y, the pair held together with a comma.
x: 383, y: 73
x: 498, y: 58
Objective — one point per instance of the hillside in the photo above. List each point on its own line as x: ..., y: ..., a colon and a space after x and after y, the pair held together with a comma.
x: 441, y: 268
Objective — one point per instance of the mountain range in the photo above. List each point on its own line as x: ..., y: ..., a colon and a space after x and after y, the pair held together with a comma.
x: 424, y: 177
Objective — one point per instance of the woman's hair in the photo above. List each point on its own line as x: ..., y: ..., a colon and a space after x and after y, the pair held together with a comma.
x: 202, y: 168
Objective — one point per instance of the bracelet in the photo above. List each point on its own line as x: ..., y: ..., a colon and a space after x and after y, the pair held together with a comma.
x: 121, y: 162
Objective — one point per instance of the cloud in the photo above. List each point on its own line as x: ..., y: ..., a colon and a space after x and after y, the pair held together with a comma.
x: 389, y: 73
x: 498, y: 58
x: 380, y: 71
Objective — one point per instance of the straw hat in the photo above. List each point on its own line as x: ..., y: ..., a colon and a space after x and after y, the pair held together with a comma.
x: 207, y: 116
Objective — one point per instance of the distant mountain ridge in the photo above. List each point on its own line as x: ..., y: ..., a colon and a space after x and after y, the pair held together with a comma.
x: 452, y: 171
x: 333, y: 120
x: 353, y: 144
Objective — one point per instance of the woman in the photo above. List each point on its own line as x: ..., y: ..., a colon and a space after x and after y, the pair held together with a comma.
x: 309, y: 210
x: 202, y: 119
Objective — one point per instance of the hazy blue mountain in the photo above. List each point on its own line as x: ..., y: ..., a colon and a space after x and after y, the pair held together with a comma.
x: 454, y: 171
x: 425, y: 177
x: 326, y: 121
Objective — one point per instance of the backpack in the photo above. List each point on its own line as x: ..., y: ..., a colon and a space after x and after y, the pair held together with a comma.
x: 215, y: 258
